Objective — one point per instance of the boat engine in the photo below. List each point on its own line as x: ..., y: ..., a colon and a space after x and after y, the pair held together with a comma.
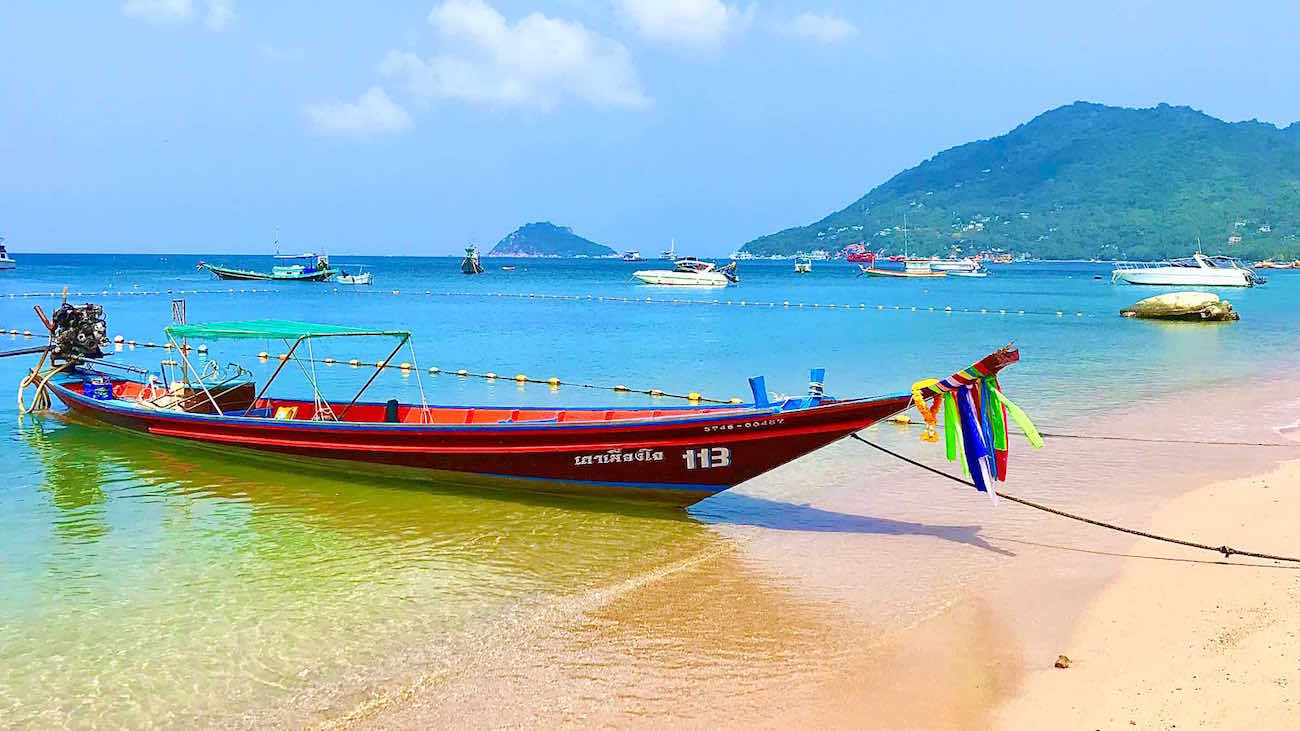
x: 78, y: 331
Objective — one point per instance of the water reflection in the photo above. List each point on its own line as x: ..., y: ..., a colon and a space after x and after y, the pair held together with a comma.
x: 74, y: 481
x: 220, y: 570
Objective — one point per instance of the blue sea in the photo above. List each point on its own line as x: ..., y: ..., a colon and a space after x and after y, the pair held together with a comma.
x: 151, y: 583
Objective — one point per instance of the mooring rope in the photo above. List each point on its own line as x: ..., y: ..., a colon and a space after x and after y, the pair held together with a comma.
x: 906, y: 422
x: 1226, y: 550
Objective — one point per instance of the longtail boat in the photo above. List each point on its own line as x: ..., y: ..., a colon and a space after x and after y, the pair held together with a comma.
x: 676, y: 454
x: 307, y: 268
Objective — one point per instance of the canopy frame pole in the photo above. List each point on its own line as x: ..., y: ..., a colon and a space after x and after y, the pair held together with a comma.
x: 424, y: 402
x: 378, y: 369
x: 277, y: 370
x: 190, y: 366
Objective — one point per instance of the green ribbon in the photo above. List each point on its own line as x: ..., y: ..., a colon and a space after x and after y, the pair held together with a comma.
x: 952, y: 432
x: 1017, y: 415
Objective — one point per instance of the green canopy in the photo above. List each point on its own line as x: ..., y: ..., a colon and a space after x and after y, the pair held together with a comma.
x: 272, y: 329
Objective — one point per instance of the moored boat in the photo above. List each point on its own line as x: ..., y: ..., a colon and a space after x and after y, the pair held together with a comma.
x: 912, y: 269
x: 470, y: 264
x: 361, y: 278
x: 858, y: 254
x: 675, y: 454
x: 1197, y: 271
x: 6, y: 261
x: 632, y: 256
x: 802, y: 265
x: 690, y: 272
x: 309, y: 267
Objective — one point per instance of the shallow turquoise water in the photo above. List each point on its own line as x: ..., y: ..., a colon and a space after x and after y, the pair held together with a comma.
x: 137, y: 571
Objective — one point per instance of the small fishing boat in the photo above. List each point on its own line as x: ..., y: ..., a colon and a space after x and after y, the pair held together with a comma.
x: 309, y: 267
x: 802, y: 265
x: 1197, y: 271
x: 674, y: 454
x: 6, y: 261
x: 690, y: 272
x: 912, y: 269
x: 470, y: 264
x: 361, y: 278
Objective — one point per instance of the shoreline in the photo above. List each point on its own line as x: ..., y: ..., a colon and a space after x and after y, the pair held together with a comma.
x: 841, y: 638
x: 1184, y: 641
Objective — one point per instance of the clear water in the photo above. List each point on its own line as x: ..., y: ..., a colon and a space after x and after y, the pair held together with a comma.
x: 146, y: 581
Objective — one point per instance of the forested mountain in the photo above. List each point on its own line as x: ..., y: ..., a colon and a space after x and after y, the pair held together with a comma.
x: 1085, y: 181
x: 546, y: 239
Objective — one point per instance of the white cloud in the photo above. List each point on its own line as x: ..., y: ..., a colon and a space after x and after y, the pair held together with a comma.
x: 159, y: 10
x: 218, y: 13
x: 536, y: 61
x: 823, y: 28
x: 371, y: 114
x: 694, y: 23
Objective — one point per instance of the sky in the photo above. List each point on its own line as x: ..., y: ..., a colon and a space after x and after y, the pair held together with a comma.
x: 412, y: 127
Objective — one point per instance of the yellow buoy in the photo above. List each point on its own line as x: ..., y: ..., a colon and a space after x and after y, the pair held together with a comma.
x: 260, y: 356
x: 284, y: 356
x: 621, y: 387
x: 462, y: 372
x: 490, y: 376
x: 736, y: 400
x: 379, y: 364
x: 405, y: 366
x: 693, y: 396
x: 656, y: 392
x: 354, y: 362
x: 329, y: 361
x: 553, y: 381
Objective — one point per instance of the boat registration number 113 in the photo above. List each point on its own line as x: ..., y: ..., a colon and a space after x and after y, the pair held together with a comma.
x: 707, y: 457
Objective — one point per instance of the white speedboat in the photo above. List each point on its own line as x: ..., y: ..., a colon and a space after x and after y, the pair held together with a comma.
x: 966, y: 264
x: 802, y: 264
x: 6, y: 261
x: 1198, y: 271
x: 690, y: 272
x: 361, y: 277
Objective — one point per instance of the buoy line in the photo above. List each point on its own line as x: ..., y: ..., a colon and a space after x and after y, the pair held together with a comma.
x: 1226, y: 550
x: 138, y: 292
x: 553, y: 382
x: 1063, y: 313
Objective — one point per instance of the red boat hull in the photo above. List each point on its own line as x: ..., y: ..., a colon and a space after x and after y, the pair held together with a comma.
x: 679, y: 460
x: 680, y: 455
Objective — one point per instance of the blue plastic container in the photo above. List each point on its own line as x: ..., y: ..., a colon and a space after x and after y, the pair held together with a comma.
x: 97, y: 387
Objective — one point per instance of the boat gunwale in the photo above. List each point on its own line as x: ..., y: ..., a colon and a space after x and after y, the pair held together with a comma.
x: 746, y: 411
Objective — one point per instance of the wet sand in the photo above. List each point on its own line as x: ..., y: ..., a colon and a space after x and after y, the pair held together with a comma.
x: 911, y: 604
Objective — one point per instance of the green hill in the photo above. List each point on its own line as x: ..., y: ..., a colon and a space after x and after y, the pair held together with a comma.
x: 1085, y: 181
x: 546, y: 239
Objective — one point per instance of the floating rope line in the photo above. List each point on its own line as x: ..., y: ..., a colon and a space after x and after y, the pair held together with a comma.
x: 406, y: 368
x: 534, y: 296
x: 1226, y: 550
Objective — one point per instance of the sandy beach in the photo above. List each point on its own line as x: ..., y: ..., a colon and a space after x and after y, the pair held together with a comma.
x: 1186, y: 643
x: 759, y: 632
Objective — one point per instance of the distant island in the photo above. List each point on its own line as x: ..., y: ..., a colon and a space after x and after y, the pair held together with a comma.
x: 1085, y: 181
x: 546, y: 239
